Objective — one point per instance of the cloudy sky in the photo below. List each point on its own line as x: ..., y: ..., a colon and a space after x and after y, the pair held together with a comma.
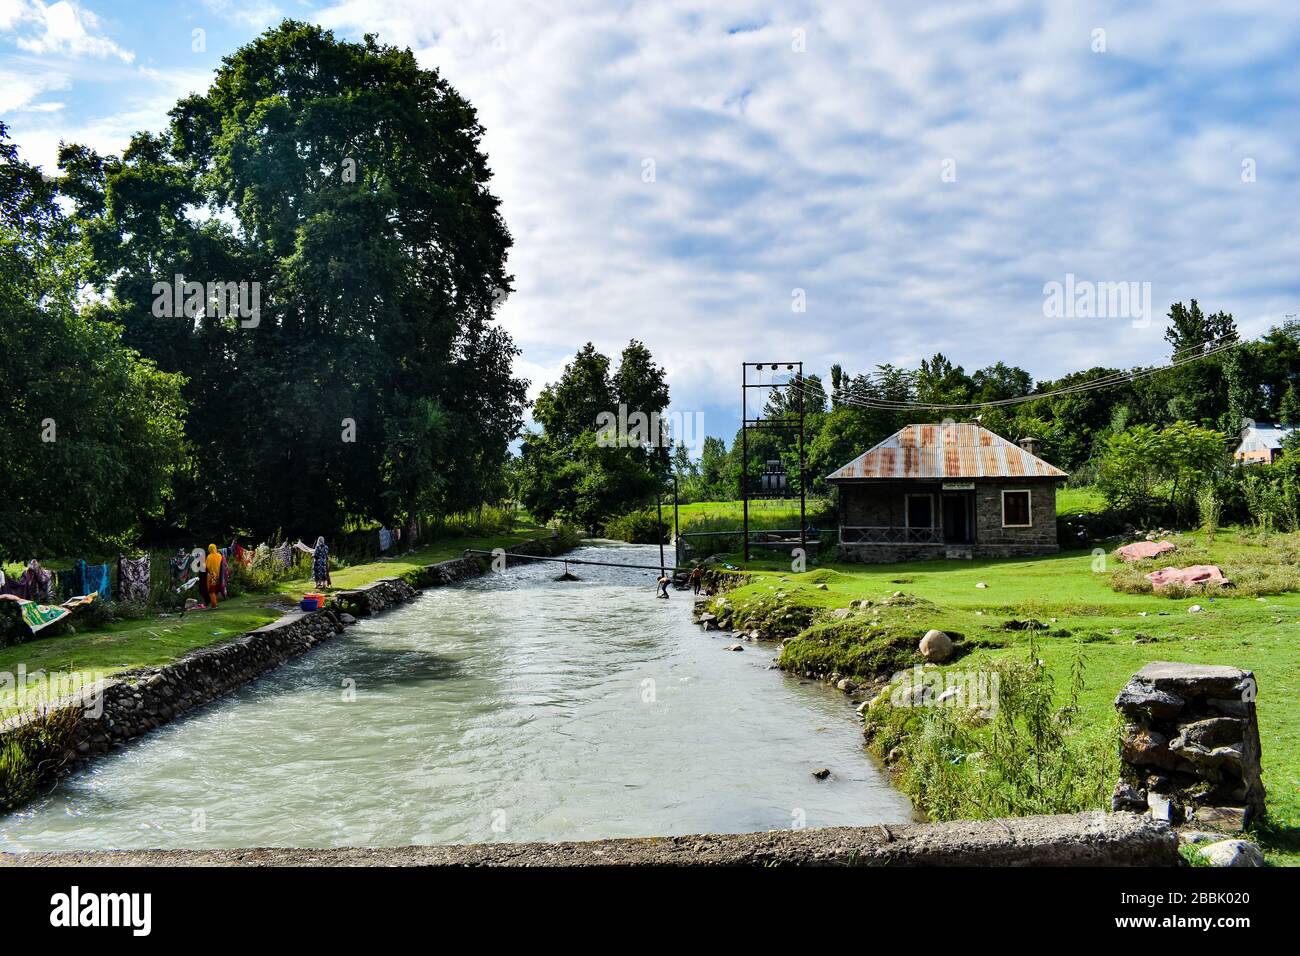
x: 693, y: 172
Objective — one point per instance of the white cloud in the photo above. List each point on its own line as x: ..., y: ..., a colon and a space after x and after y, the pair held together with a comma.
x: 19, y: 91
x: 821, y: 170
x: 64, y: 27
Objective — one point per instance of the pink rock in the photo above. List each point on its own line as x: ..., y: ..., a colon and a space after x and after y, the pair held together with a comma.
x: 1198, y: 575
x: 1143, y: 549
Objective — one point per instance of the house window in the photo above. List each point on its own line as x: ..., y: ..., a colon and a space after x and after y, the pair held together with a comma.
x: 1015, y: 510
x: 920, y: 511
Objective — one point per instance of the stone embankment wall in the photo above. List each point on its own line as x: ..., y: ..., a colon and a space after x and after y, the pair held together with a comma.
x: 134, y: 702
x: 1081, y: 839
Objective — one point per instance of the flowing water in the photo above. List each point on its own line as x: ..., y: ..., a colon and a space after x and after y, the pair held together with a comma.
x: 511, y: 707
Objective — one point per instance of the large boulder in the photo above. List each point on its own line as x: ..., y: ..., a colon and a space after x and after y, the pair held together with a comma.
x: 1233, y: 853
x: 1198, y: 575
x: 1141, y: 550
x: 936, y: 647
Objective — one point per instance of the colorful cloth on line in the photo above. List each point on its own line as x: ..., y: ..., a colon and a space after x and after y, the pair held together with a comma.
x: 133, y: 579
x: 93, y: 577
x: 37, y: 617
x: 283, y: 556
x: 385, y: 539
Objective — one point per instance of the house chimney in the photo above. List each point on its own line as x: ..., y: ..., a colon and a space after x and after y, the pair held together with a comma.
x: 1030, y: 444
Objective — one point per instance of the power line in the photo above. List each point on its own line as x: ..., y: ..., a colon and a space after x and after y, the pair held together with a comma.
x: 1184, y: 356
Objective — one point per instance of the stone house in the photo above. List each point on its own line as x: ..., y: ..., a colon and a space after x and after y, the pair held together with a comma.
x: 946, y: 491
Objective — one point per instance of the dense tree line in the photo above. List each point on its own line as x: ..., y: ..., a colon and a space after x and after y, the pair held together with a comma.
x: 323, y: 211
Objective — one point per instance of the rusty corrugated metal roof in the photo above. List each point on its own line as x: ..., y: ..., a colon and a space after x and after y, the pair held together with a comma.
x: 961, y: 450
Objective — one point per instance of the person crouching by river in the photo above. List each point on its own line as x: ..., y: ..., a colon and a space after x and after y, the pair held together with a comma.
x: 212, y: 579
x: 663, y: 583
x: 320, y: 563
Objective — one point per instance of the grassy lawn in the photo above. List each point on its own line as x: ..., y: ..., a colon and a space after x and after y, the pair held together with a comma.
x: 1079, y: 500
x: 763, y: 512
x: 1117, y: 633
x: 160, y: 639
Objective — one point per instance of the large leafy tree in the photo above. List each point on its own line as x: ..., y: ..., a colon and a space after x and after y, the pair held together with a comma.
x: 594, y: 457
x: 349, y: 184
x: 91, y: 432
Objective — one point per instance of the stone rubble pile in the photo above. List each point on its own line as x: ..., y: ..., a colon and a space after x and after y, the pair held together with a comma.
x: 1190, y: 751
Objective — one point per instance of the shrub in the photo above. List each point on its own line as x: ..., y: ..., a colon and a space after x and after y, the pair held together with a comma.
x: 637, y: 527
x: 1034, y: 756
x: 1210, y: 508
x: 33, y: 752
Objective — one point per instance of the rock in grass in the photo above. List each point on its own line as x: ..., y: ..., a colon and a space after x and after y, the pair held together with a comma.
x: 1233, y: 853
x: 936, y: 646
x: 981, y: 585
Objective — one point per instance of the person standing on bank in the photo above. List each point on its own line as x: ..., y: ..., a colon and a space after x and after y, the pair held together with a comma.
x: 320, y: 563
x: 212, y: 565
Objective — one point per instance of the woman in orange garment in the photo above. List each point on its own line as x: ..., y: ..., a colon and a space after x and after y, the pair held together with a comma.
x: 213, y: 566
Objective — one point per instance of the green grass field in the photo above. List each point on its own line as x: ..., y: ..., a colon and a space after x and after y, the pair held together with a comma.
x: 160, y: 639
x: 1117, y: 633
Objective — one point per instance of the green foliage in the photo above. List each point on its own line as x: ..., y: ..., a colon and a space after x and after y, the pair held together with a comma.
x: 1151, y: 473
x: 1209, y: 508
x: 602, y: 449
x: 638, y: 527
x: 33, y: 753
x: 91, y: 432
x: 1034, y: 756
x: 350, y: 184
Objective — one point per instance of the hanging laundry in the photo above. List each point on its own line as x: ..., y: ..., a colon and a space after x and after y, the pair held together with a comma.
x: 224, y: 578
x: 94, y: 577
x: 133, y: 579
x: 283, y: 557
x: 385, y: 539
x: 36, y: 616
x: 65, y: 583
x: 35, y: 584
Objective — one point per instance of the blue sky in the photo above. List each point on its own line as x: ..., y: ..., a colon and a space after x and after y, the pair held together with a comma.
x: 920, y: 171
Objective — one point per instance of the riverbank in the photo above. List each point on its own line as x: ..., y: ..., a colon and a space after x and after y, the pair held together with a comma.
x: 862, y: 624
x: 1086, y: 839
x: 161, y: 639
x: 48, y: 739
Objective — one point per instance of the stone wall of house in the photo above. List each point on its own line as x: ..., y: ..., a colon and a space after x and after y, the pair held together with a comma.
x: 890, y: 553
x: 1190, y: 751
x: 1040, y: 538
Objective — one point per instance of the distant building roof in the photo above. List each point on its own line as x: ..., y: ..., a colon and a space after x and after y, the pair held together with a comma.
x: 1263, y: 436
x: 963, y: 450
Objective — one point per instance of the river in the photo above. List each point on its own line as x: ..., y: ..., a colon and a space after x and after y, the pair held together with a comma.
x: 510, y: 707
